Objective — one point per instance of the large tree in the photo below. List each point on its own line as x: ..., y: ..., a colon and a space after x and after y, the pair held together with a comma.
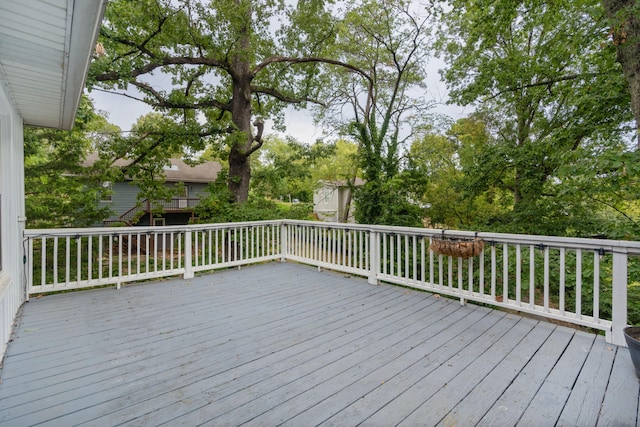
x: 389, y: 41
x: 223, y: 66
x: 546, y: 78
x: 624, y: 16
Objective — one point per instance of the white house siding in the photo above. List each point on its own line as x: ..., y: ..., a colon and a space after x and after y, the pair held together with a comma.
x: 12, y: 215
x: 326, y: 203
x: 124, y: 197
x: 329, y: 201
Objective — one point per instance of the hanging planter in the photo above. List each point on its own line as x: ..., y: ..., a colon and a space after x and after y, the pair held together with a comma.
x: 457, y: 248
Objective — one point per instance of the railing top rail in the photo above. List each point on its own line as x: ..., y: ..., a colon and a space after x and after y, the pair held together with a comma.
x: 44, y: 232
x: 625, y: 246
x: 332, y: 225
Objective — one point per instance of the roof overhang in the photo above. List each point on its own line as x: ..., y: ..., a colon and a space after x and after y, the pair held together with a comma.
x: 45, y: 51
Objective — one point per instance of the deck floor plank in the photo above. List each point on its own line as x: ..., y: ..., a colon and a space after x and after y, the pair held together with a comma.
x: 467, y: 375
x: 509, y: 408
x: 585, y: 401
x: 415, y: 396
x: 266, y: 337
x: 180, y: 340
x: 283, y: 343
x: 549, y: 400
x: 392, y: 389
x: 621, y: 397
x: 279, y: 390
x: 358, y: 393
x: 281, y: 364
x: 380, y: 367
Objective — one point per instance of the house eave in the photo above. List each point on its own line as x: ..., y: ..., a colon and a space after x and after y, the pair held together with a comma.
x: 45, y: 52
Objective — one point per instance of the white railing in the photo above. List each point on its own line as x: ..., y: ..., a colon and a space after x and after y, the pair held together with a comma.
x: 341, y: 247
x: 63, y: 259
x: 581, y: 281
x: 233, y: 245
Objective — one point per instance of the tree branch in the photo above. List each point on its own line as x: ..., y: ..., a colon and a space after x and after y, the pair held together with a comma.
x: 163, y: 102
x: 142, y: 156
x: 307, y: 60
x: 259, y: 124
x: 140, y: 47
x: 163, y: 62
x: 615, y: 209
x: 547, y: 83
x: 284, y: 98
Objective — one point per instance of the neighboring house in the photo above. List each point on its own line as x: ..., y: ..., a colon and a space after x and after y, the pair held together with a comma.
x: 128, y: 209
x: 45, y: 52
x: 330, y: 200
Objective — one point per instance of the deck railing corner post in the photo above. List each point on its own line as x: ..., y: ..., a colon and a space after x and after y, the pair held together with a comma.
x: 618, y: 298
x: 28, y: 266
x: 188, y: 255
x: 283, y: 242
x: 374, y: 257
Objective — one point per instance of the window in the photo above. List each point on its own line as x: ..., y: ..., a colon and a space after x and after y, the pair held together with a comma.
x: 158, y: 222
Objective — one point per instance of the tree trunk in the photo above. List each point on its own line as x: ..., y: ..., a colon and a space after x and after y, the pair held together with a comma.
x: 239, y: 176
x: 625, y: 30
x: 344, y: 218
x: 239, y: 155
x: 517, y: 193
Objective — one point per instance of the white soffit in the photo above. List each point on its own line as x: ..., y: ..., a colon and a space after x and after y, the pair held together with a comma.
x: 45, y: 51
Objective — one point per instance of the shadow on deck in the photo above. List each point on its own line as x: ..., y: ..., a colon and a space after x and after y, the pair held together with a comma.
x: 285, y: 344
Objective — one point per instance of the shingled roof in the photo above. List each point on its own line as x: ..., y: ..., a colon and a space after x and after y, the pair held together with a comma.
x: 179, y: 171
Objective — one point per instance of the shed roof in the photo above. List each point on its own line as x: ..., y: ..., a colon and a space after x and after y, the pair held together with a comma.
x: 341, y: 183
x: 45, y: 52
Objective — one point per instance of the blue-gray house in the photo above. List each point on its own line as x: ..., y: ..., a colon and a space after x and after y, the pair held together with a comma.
x: 129, y: 208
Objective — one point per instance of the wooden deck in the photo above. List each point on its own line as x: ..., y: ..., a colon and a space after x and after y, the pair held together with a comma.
x: 285, y: 344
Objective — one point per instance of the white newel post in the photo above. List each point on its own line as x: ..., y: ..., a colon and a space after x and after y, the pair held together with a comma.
x: 283, y: 242
x: 374, y: 257
x: 188, y: 255
x: 29, y: 267
x: 618, y: 298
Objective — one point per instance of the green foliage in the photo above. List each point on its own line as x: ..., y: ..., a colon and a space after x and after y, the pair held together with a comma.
x: 59, y: 191
x: 284, y: 169
x: 388, y: 41
x: 541, y: 101
x: 386, y: 202
x: 147, y: 149
x: 550, y: 95
x: 592, y: 192
x: 217, y: 207
x: 231, y: 64
x: 607, y: 183
x: 299, y: 211
x: 338, y: 163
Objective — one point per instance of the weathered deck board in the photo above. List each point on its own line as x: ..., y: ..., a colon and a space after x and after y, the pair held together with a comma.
x: 286, y: 344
